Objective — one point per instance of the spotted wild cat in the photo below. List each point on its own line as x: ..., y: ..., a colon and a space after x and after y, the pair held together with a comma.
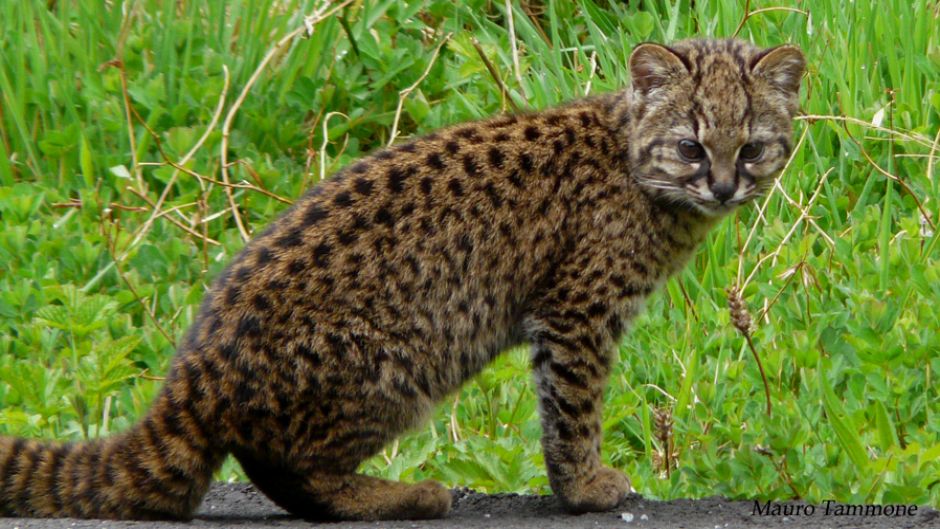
x: 387, y: 286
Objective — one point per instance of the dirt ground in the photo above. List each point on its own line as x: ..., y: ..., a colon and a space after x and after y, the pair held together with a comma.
x: 241, y: 506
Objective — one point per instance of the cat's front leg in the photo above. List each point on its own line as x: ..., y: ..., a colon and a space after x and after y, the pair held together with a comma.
x: 571, y: 353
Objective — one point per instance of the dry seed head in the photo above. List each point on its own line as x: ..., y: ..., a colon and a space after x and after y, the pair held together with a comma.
x: 663, y: 419
x: 740, y: 316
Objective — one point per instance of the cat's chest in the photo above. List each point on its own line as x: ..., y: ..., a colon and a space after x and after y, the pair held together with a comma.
x: 641, y: 240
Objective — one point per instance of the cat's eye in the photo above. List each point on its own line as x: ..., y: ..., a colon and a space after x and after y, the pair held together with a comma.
x: 751, y: 151
x: 691, y: 150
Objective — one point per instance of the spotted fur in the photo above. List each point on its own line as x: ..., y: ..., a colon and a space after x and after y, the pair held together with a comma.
x: 389, y: 285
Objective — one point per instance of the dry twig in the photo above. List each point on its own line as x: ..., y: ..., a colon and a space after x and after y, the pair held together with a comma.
x: 748, y: 14
x: 404, y: 93
x: 663, y: 422
x: 320, y: 14
x: 515, y: 50
x: 741, y: 319
x: 141, y: 232
x: 108, y: 223
x: 494, y: 73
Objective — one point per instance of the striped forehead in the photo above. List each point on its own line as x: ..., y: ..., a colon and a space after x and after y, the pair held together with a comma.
x: 719, y: 96
x: 721, y: 102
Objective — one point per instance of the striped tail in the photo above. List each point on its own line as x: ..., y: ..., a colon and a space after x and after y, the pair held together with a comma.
x: 160, y: 469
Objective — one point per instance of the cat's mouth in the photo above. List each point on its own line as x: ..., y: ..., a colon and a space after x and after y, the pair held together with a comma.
x: 717, y: 209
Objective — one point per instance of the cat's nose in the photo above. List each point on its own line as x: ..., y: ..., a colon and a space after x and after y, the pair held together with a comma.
x: 722, y: 190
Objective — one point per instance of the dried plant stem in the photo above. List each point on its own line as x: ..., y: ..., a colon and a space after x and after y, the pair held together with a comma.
x: 142, y: 231
x: 663, y: 422
x: 515, y: 50
x: 748, y: 14
x: 108, y: 222
x: 781, y: 469
x: 932, y: 156
x: 773, y: 255
x: 804, y: 213
x: 587, y: 87
x: 128, y: 112
x: 688, y: 299
x: 741, y: 319
x: 175, y: 222
x: 404, y: 93
x: 326, y: 140
x: 494, y: 73
x: 212, y: 181
x: 454, y: 422
x: 319, y: 14
x: 763, y: 206
x: 886, y: 173
x: 905, y: 135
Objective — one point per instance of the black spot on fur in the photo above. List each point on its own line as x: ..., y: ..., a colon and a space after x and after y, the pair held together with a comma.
x: 321, y: 255
x: 296, y: 266
x: 434, y: 160
x: 363, y: 187
x: 276, y: 285
x: 515, y: 179
x: 493, y: 195
x: 360, y: 223
x: 469, y: 165
x: 242, y: 274
x: 455, y: 187
x: 383, y: 216
x: 496, y: 157
x: 248, y: 325
x: 396, y: 180
x: 471, y: 134
x: 597, y: 309
x: 343, y: 199
x: 265, y: 255
x: 426, y: 185
x: 261, y: 302
x: 569, y: 135
x: 314, y: 214
x: 347, y: 237
x: 532, y: 133
x: 292, y: 238
x: 452, y: 147
x: 232, y: 294
x: 525, y: 162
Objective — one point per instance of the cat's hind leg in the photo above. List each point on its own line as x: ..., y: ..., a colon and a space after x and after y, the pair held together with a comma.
x: 330, y: 496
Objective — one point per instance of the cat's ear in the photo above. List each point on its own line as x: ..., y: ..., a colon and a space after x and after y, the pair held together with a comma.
x: 653, y: 65
x: 782, y: 67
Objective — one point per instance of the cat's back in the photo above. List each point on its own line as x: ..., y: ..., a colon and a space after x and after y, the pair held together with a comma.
x: 462, y: 209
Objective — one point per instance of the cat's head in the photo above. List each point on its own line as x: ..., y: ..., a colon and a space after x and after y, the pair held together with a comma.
x: 711, y: 120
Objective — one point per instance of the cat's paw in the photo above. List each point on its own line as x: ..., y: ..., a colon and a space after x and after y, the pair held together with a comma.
x: 426, y: 500
x: 600, y: 492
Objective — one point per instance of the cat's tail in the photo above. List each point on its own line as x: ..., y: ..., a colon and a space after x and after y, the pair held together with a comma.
x: 159, y: 469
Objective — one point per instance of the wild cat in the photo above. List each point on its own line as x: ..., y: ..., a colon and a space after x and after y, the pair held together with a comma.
x: 387, y: 286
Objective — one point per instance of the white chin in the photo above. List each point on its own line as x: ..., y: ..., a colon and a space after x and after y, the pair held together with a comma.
x: 714, y: 210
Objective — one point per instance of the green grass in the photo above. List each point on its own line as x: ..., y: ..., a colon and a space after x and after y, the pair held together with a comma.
x: 92, y: 295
